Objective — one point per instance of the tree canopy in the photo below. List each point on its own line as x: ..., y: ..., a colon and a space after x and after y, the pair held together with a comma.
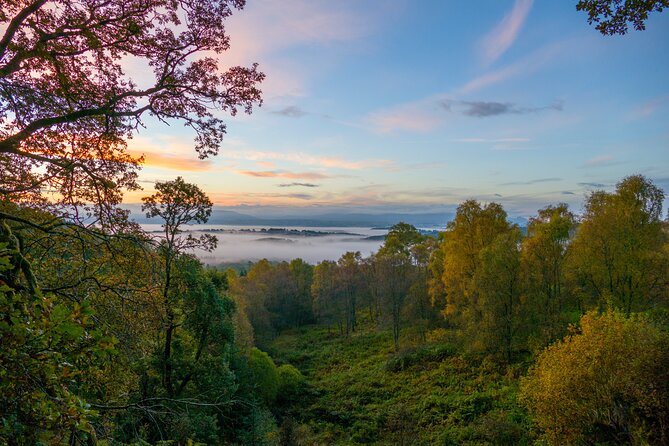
x: 68, y: 105
x: 607, y: 383
x: 615, y: 16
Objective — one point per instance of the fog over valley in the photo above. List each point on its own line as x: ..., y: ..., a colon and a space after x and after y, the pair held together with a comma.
x: 238, y: 244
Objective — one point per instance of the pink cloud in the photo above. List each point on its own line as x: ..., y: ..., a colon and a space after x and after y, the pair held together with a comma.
x: 525, y: 66
x: 282, y: 174
x: 263, y: 158
x: 267, y: 27
x: 167, y: 152
x: 505, y: 33
x: 173, y: 162
x: 404, y: 118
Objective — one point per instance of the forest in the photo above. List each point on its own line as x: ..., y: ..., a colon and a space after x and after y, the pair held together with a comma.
x: 555, y: 332
x: 487, y: 333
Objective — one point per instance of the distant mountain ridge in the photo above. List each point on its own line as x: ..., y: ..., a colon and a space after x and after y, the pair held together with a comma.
x: 226, y: 217
x: 292, y: 218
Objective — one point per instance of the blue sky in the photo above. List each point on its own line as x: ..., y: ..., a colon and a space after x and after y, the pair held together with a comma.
x: 407, y: 105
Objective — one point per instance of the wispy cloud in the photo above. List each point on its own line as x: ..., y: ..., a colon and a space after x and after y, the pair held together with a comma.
x: 529, y: 64
x: 426, y: 114
x: 260, y: 199
x: 511, y: 147
x: 500, y: 144
x: 592, y: 185
x: 500, y: 39
x: 292, y: 111
x: 168, y: 152
x: 404, y: 118
x: 306, y: 159
x: 484, y: 109
x: 529, y: 182
x: 424, y: 165
x: 301, y: 196
x: 650, y: 107
x: 599, y: 161
x: 491, y: 140
x: 566, y: 192
x: 298, y: 185
x: 266, y: 28
x: 284, y: 174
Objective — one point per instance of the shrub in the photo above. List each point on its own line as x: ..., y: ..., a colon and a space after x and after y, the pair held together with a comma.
x: 291, y: 382
x: 607, y: 383
x: 265, y: 375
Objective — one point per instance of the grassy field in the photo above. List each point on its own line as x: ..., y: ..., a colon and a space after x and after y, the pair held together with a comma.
x: 361, y: 392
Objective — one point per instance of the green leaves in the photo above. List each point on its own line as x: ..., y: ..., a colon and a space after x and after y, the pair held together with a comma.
x: 59, y: 313
x: 71, y: 329
x: 46, y: 348
x: 614, y: 16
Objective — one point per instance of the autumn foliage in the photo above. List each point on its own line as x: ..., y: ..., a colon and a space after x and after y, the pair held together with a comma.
x: 608, y: 381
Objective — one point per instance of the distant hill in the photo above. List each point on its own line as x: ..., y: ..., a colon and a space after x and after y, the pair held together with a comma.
x: 297, y: 217
x: 339, y: 219
x: 333, y: 219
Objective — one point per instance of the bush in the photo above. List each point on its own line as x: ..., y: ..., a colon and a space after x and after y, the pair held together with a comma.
x: 413, y: 357
x: 498, y: 428
x: 607, y: 383
x: 265, y: 375
x: 291, y: 382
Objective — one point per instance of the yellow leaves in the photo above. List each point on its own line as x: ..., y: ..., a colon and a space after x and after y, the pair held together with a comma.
x: 580, y: 385
x: 616, y: 257
x: 450, y: 309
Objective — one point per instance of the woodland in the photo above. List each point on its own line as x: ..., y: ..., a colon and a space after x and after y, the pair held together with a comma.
x: 489, y: 333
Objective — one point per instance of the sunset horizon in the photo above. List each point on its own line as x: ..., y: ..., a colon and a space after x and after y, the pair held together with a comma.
x: 393, y: 104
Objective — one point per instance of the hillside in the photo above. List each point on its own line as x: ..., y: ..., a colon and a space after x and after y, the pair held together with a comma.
x: 361, y: 392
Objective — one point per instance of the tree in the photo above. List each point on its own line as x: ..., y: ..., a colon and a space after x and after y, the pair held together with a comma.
x: 265, y: 375
x: 543, y: 258
x: 177, y: 203
x: 614, y: 16
x: 607, y: 383
x: 419, y: 309
x: 243, y: 328
x: 395, y: 268
x: 301, y: 308
x: 253, y: 292
x: 48, y: 351
x: 291, y: 383
x: 349, y: 286
x: 435, y: 283
x: 496, y: 324
x: 200, y: 393
x: 336, y: 290
x: 326, y: 297
x: 617, y: 257
x: 474, y: 228
x: 67, y: 105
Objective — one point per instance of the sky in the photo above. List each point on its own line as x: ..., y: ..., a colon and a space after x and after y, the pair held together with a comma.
x: 420, y: 105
